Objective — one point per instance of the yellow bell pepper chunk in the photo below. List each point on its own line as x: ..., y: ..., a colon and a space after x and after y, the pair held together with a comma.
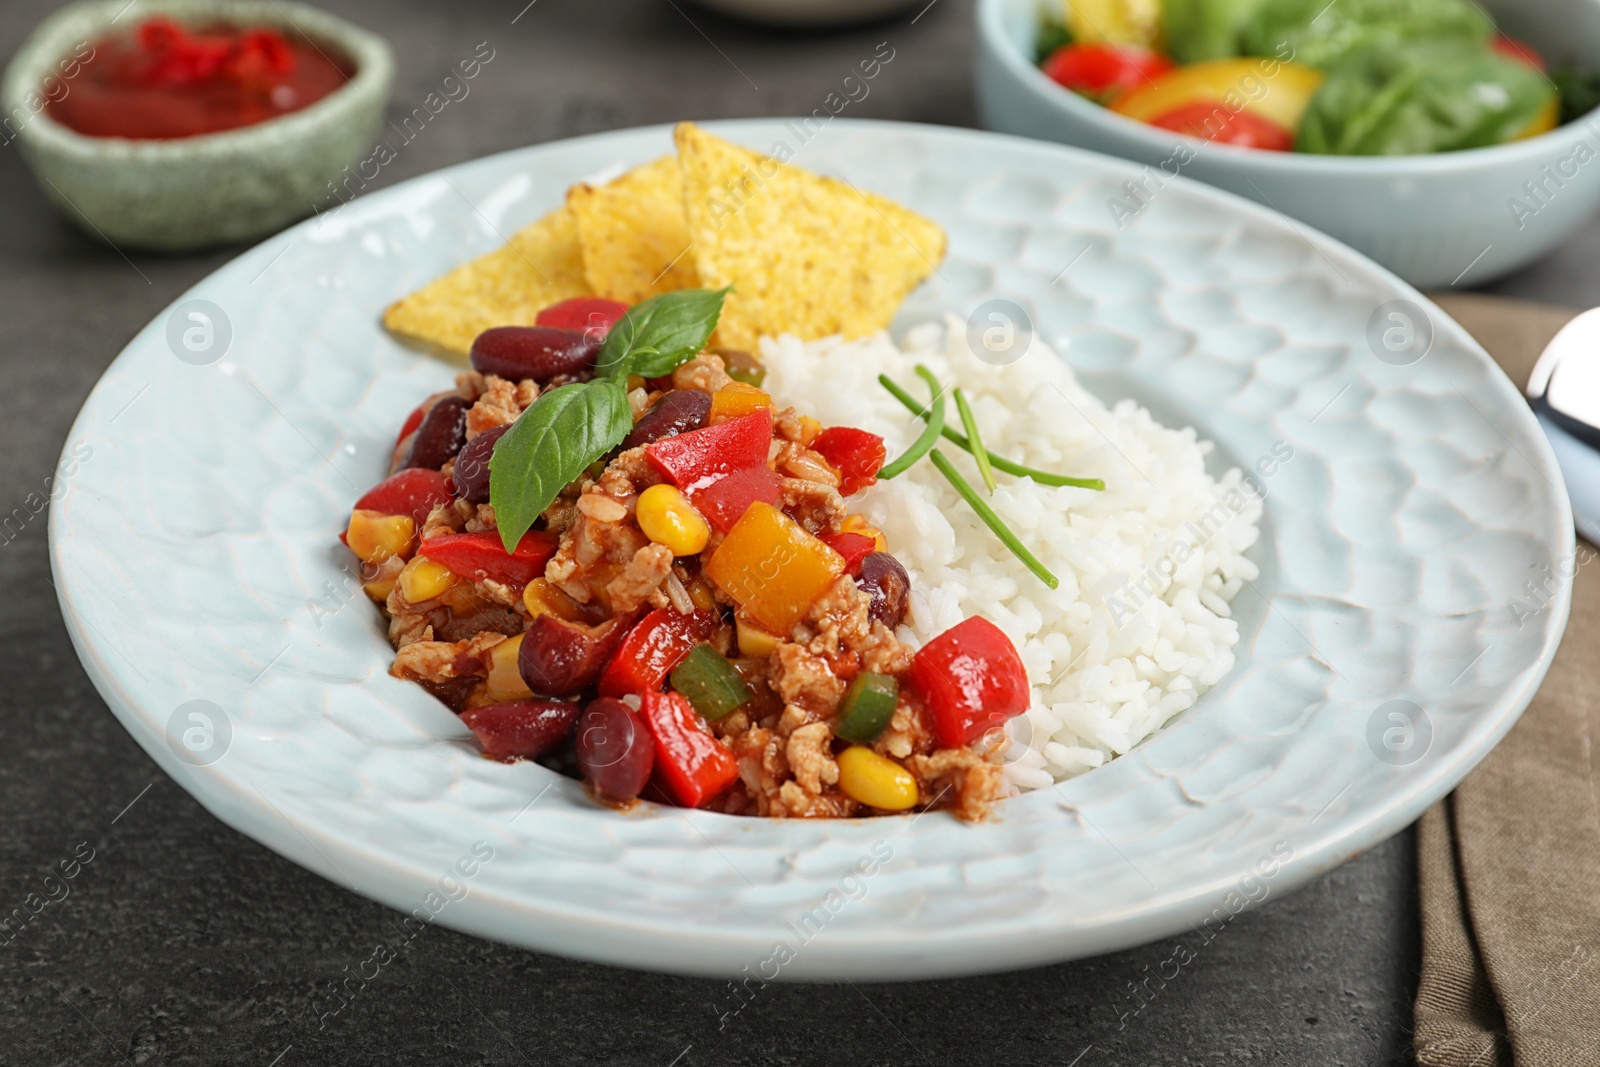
x: 1119, y: 21
x: 754, y: 642
x: 772, y: 568
x: 1267, y: 88
x: 737, y: 398
x: 1547, y: 119
x: 876, y: 781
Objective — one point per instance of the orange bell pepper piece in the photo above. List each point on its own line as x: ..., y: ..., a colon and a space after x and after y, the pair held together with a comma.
x: 773, y: 568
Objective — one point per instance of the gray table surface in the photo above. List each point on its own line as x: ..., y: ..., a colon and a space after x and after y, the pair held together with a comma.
x: 184, y: 942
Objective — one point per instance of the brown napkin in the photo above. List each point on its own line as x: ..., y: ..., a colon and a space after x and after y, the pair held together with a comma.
x: 1509, y: 863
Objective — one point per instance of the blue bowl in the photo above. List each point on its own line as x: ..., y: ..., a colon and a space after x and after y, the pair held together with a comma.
x: 1435, y: 220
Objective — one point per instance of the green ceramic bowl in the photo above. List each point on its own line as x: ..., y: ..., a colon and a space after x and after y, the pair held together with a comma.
x: 179, y: 195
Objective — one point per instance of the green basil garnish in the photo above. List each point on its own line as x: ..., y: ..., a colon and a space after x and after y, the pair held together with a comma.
x: 567, y: 429
x: 659, y: 335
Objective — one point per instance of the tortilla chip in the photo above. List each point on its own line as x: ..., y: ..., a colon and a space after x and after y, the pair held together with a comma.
x: 540, y: 266
x: 633, y: 234
x: 807, y: 255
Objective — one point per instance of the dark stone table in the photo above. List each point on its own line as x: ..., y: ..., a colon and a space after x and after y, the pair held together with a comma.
x: 183, y: 942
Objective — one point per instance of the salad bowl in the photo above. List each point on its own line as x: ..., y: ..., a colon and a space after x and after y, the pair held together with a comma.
x: 1451, y: 218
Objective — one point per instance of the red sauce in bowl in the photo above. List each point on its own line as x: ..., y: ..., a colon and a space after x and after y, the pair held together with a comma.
x: 165, y: 81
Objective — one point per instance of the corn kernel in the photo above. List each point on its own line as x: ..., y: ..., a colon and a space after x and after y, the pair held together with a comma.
x: 374, y: 537
x: 857, y: 525
x: 425, y: 580
x: 505, y: 678
x: 809, y: 429
x: 378, y: 589
x: 542, y: 598
x: 700, y: 593
x: 667, y: 518
x: 876, y: 781
x: 737, y: 398
x: 754, y: 642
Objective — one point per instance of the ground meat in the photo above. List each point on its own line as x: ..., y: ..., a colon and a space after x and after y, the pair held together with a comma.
x: 440, y: 661
x: 641, y: 579
x: 482, y: 519
x: 960, y: 780
x: 704, y: 372
x: 907, y: 733
x: 592, y: 553
x: 798, y: 461
x: 810, y: 756
x: 408, y: 627
x: 800, y: 678
x: 817, y: 507
x: 635, y: 467
x: 795, y: 803
x: 447, y: 519
x: 502, y: 401
x: 470, y: 384
x: 762, y: 767
x: 787, y: 425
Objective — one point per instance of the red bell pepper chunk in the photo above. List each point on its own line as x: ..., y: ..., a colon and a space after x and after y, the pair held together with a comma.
x: 521, y: 729
x: 1104, y: 71
x: 413, y: 420
x: 480, y: 556
x: 729, y: 496
x: 695, y: 459
x: 853, y: 547
x: 692, y: 767
x: 857, y: 454
x: 592, y: 314
x: 1519, y: 50
x: 1241, y: 128
x: 411, y: 492
x: 653, y: 648
x: 971, y: 680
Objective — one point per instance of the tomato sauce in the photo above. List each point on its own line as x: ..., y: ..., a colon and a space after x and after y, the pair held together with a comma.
x: 165, y: 81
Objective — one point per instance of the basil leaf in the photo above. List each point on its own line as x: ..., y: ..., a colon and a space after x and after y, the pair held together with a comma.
x: 553, y: 442
x: 661, y: 334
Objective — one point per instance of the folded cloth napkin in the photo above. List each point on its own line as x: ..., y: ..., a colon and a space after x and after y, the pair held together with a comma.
x: 1509, y: 864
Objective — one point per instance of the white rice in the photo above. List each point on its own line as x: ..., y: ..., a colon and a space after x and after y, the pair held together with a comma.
x: 1110, y: 662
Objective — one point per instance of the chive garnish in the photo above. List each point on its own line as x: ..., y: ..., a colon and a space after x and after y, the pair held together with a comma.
x: 991, y: 520
x: 999, y: 462
x: 930, y: 433
x: 980, y: 455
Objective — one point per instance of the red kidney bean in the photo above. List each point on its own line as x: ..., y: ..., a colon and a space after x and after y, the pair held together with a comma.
x: 676, y: 412
x: 537, y: 352
x: 887, y: 586
x: 615, y: 751
x: 440, y: 436
x: 471, y: 474
x: 521, y: 729
x: 561, y: 659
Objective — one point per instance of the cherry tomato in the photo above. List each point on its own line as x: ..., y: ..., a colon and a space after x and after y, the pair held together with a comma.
x: 1104, y: 71
x: 1519, y: 50
x: 1214, y: 122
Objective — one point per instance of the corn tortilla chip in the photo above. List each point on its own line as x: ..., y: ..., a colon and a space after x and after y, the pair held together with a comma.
x: 540, y: 266
x: 806, y: 255
x: 633, y: 234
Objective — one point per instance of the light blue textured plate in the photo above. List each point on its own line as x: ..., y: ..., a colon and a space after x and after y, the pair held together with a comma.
x: 193, y: 545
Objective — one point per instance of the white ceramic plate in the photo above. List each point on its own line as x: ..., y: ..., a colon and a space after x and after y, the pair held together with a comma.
x: 193, y: 544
